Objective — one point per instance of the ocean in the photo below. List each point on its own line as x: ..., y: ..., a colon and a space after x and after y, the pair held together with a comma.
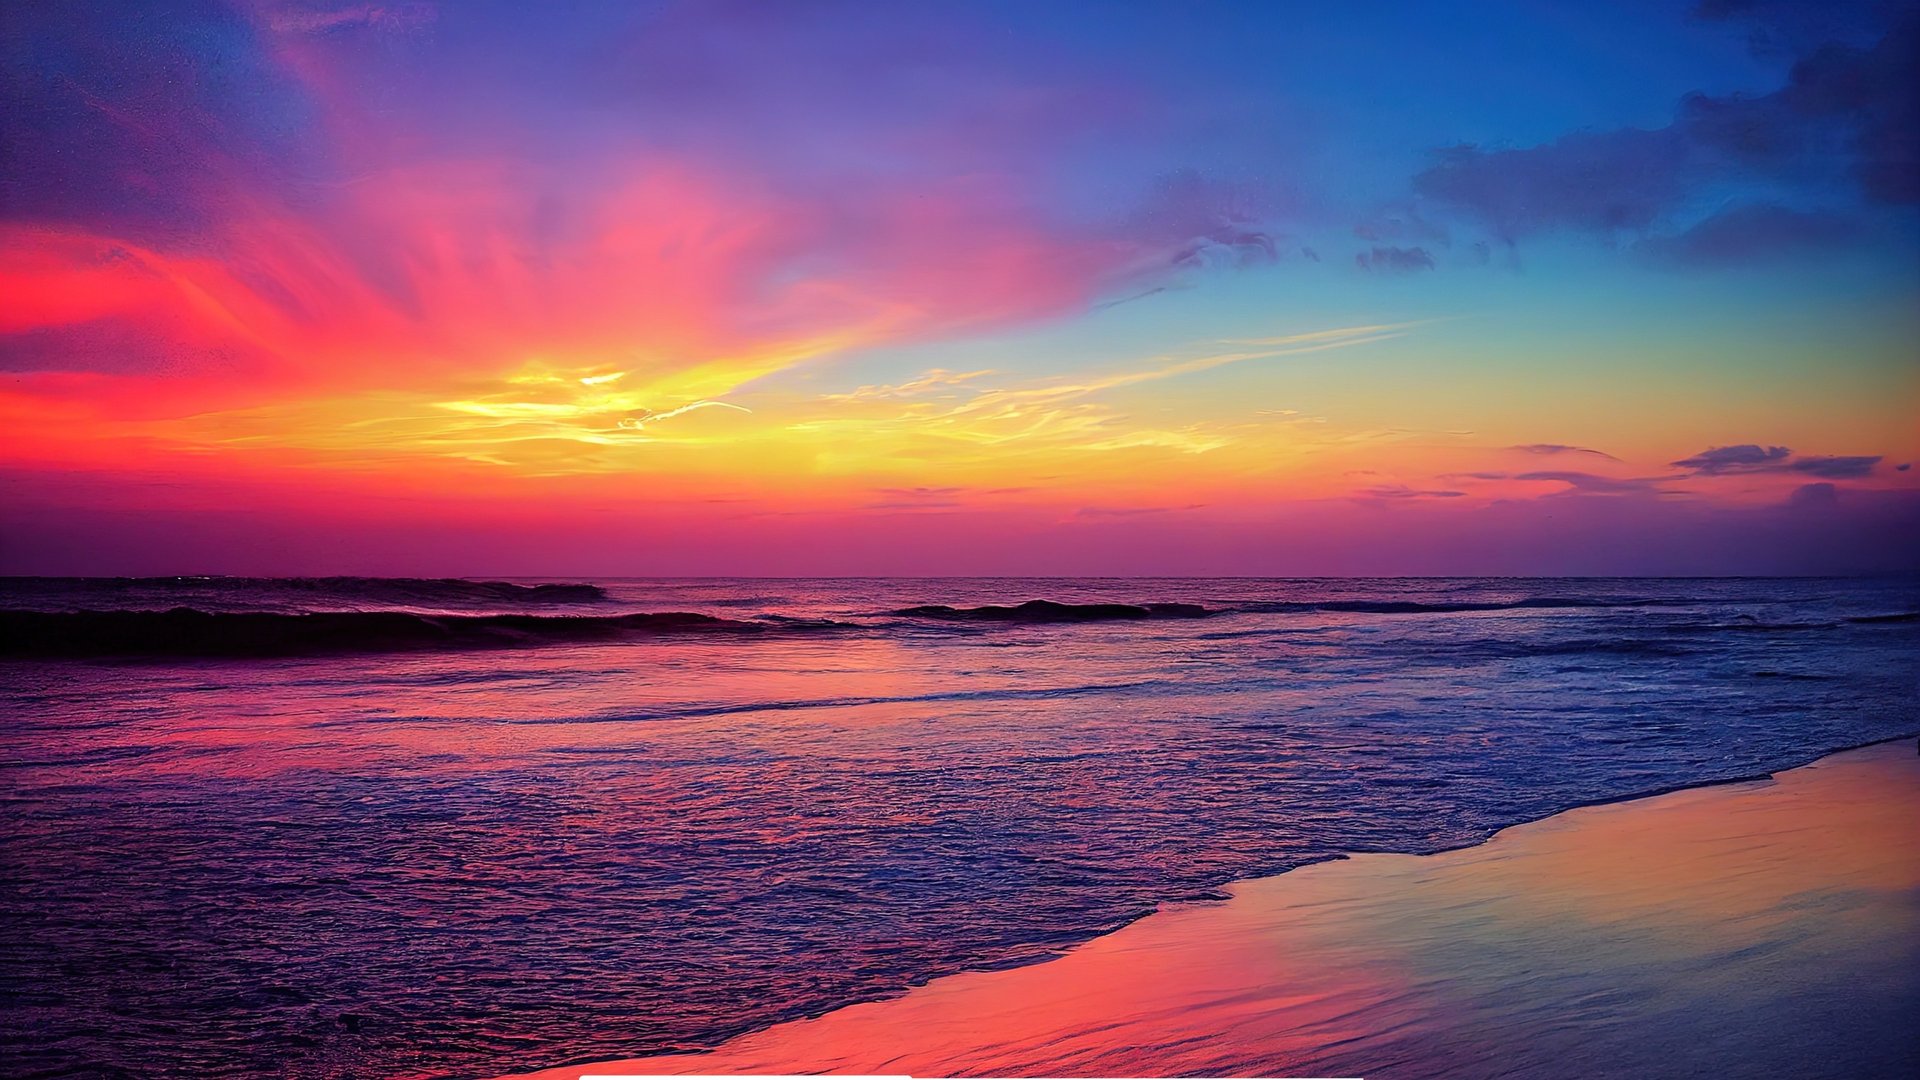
x: 359, y: 827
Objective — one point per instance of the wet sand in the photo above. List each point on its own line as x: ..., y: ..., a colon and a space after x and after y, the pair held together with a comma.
x: 1761, y: 929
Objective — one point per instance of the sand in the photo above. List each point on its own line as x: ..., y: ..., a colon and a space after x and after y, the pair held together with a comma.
x: 1760, y: 929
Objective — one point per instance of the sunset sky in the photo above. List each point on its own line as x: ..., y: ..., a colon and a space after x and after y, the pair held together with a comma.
x: 1366, y: 286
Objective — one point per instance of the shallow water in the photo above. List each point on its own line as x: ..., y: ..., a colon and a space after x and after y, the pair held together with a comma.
x: 1752, y: 930
x: 459, y: 862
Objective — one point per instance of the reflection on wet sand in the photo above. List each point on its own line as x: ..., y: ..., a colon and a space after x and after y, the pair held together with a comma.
x: 1761, y: 929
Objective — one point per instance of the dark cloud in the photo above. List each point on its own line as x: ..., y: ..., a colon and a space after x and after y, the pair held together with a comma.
x: 1746, y: 234
x: 1903, y: 466
x: 1394, y: 260
x: 1751, y: 458
x: 1793, y: 28
x: 1836, y: 468
x: 1846, y: 117
x: 1549, y: 449
x: 1857, y: 104
x: 1743, y: 458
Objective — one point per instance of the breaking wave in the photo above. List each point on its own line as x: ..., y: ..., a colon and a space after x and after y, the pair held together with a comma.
x: 1898, y: 617
x: 1049, y: 611
x: 415, y: 592
x: 189, y: 632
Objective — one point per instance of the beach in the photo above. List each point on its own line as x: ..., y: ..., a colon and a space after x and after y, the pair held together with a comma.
x: 1754, y: 929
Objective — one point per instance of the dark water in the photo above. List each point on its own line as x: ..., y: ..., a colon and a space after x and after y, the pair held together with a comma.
x: 494, y: 840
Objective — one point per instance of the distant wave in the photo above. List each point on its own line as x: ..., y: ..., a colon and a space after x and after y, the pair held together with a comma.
x: 1414, y: 607
x: 1048, y: 611
x: 188, y: 632
x: 1748, y: 622
x: 403, y: 591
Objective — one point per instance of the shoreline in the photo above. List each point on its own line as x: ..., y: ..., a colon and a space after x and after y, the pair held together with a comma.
x: 1168, y: 982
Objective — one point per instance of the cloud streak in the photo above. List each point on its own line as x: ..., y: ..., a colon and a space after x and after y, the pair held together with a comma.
x: 1749, y: 458
x: 1593, y: 484
x: 1063, y: 411
x: 1554, y: 449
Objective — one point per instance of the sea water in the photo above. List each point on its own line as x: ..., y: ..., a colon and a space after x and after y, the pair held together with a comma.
x: 361, y: 827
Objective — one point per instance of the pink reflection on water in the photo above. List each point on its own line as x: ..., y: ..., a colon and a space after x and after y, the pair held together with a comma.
x: 1751, y: 930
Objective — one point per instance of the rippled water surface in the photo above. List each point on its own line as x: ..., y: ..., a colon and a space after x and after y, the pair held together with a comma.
x: 460, y: 862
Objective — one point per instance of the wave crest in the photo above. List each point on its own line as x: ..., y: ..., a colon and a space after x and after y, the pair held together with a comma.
x: 1416, y: 607
x: 400, y: 591
x: 190, y: 632
x: 1050, y: 611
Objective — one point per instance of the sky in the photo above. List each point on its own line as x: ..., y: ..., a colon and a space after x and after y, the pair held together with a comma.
x: 847, y: 288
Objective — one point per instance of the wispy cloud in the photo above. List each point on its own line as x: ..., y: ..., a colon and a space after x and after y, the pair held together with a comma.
x: 1550, y: 449
x: 1592, y: 484
x: 1267, y: 349
x: 1401, y: 491
x: 933, y: 380
x: 290, y: 20
x: 643, y: 417
x: 1066, y: 411
x: 1579, y: 483
x: 1135, y: 511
